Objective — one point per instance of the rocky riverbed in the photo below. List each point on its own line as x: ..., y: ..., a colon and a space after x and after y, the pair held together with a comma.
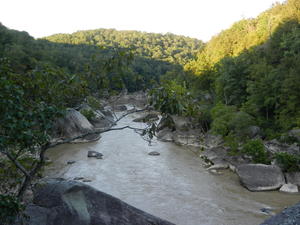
x: 174, y: 184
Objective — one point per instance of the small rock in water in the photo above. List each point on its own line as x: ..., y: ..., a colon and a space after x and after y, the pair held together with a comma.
x: 71, y: 162
x: 95, y: 154
x: 86, y: 180
x: 154, y: 153
x: 78, y: 178
x: 289, y: 188
x: 215, y: 172
x: 268, y: 211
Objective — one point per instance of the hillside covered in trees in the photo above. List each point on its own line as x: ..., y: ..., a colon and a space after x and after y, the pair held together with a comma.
x: 246, y: 76
x: 136, y: 60
x: 250, y: 72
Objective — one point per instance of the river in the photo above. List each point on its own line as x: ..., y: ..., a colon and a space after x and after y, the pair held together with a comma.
x: 174, y: 185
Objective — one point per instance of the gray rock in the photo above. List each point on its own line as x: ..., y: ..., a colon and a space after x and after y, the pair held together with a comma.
x: 289, y: 216
x: 74, y: 124
x: 78, y: 178
x: 190, y: 138
x: 182, y: 123
x: 293, y: 178
x: 147, y: 118
x: 289, y: 188
x: 219, y: 166
x: 100, y: 119
x: 260, y: 177
x: 165, y: 135
x: 267, y: 211
x: 212, y: 141
x: 214, y: 155
x: 108, y: 114
x: 86, y: 180
x: 154, y: 153
x: 166, y: 123
x: 120, y: 108
x: 274, y: 146
x: 94, y: 154
x: 253, y: 131
x: 295, y: 133
x: 60, y: 202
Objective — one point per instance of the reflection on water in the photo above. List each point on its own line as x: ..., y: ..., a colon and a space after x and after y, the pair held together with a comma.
x: 173, y: 186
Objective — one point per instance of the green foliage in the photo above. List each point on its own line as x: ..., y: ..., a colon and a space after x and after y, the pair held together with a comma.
x: 94, y: 103
x: 232, y: 143
x: 227, y: 120
x: 256, y: 150
x: 254, y: 67
x: 288, y: 162
x: 172, y: 98
x: 10, y: 208
x: 169, y: 47
x: 88, y: 113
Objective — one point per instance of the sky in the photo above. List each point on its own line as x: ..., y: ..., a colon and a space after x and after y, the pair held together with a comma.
x: 194, y: 18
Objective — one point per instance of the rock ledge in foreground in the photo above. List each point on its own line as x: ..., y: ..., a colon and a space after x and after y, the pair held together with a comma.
x: 289, y: 216
x: 61, y: 202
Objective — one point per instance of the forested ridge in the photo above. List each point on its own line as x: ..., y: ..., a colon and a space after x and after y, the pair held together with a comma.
x: 246, y: 76
x: 251, y: 68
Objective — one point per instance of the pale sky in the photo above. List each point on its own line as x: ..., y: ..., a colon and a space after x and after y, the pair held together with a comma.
x: 195, y: 18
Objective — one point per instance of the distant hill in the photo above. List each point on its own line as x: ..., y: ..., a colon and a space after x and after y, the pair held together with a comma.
x: 166, y: 47
x: 245, y: 34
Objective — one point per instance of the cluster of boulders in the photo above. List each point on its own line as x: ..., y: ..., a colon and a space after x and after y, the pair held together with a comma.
x: 178, y: 129
x: 255, y: 177
x: 84, y: 120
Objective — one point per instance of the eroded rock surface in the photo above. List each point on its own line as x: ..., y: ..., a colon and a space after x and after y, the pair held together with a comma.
x: 61, y: 202
x: 260, y: 177
x: 289, y: 216
x: 74, y: 124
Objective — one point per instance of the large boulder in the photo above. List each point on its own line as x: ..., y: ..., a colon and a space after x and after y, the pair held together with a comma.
x: 61, y: 202
x: 253, y: 131
x: 289, y: 216
x: 293, y: 178
x: 99, y: 119
x: 74, y: 124
x: 260, y: 177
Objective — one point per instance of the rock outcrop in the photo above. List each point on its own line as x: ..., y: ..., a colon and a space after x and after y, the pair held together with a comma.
x: 74, y: 124
x: 61, y: 202
x: 289, y: 216
x: 260, y: 177
x: 293, y: 178
x: 179, y: 129
x: 99, y: 118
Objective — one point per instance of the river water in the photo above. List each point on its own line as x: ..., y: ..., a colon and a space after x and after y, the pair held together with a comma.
x: 174, y: 185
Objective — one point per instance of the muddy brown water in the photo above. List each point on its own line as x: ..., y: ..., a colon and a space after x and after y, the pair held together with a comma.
x: 174, y: 185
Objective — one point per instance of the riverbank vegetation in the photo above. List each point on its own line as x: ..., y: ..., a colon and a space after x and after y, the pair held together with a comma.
x: 247, y: 76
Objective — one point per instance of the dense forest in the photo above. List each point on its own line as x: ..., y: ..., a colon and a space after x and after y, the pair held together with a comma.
x: 249, y: 72
x: 247, y: 75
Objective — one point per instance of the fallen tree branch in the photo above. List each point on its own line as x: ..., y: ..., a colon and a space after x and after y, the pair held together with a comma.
x: 69, y: 140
